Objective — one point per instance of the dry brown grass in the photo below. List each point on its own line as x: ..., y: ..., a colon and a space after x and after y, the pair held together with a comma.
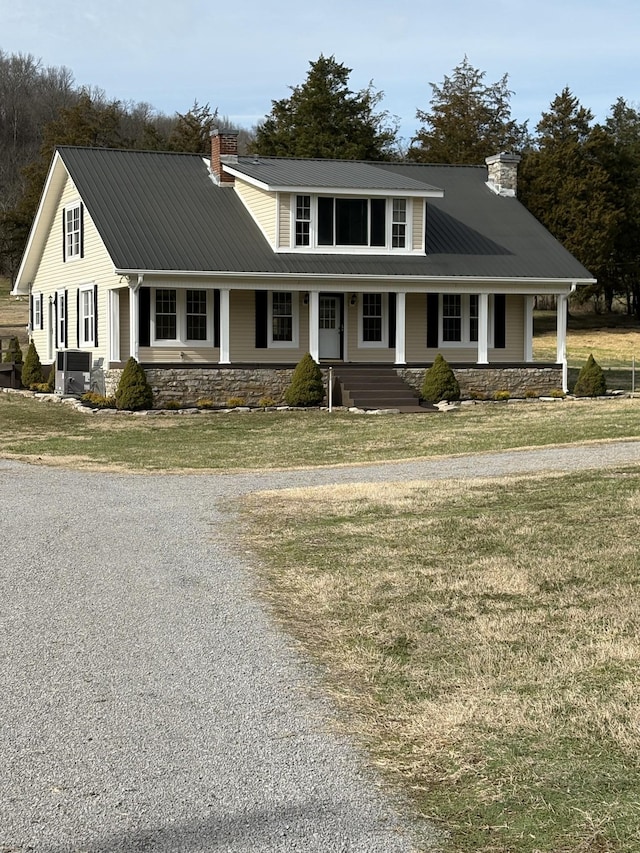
x: 14, y: 316
x: 485, y: 640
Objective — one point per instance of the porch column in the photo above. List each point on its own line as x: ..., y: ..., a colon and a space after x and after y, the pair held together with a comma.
x: 225, y: 350
x: 483, y: 328
x: 561, y: 335
x: 528, y: 328
x: 134, y: 315
x: 314, y: 325
x: 401, y: 327
x: 114, y: 325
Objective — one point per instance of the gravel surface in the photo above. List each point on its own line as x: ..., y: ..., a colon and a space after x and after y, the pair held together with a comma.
x: 149, y: 702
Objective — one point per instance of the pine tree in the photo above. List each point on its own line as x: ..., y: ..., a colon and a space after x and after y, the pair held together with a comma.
x: 133, y: 392
x: 591, y: 381
x: 192, y: 132
x: 323, y: 117
x: 32, y: 368
x: 13, y: 352
x: 468, y: 120
x: 307, y: 387
x: 440, y: 382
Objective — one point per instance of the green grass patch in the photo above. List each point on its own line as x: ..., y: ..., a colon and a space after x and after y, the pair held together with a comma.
x: 484, y: 640
x: 57, y: 434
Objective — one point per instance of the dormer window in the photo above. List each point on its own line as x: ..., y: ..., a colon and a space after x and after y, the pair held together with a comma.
x: 346, y: 221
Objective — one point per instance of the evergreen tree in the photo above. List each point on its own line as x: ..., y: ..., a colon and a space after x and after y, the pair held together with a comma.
x: 192, y: 132
x: 323, y: 117
x: 133, y: 392
x: 468, y: 120
x: 307, y: 387
x: 440, y: 382
x: 564, y: 185
x: 591, y: 381
x: 32, y: 368
x: 13, y: 352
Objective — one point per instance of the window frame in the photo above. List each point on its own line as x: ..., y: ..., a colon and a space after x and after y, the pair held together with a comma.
x: 181, y: 323
x: 37, y: 319
x: 469, y: 312
x: 73, y: 237
x: 295, y: 320
x: 85, y: 340
x: 383, y: 343
x: 312, y: 227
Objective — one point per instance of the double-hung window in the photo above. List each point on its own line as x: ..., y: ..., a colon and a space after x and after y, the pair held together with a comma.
x: 373, y: 320
x: 182, y: 316
x: 73, y: 232
x: 282, y: 318
x: 303, y: 220
x: 87, y: 317
x: 399, y: 223
x: 459, y: 318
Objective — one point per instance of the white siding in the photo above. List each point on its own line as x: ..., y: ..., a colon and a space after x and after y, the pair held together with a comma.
x: 261, y: 205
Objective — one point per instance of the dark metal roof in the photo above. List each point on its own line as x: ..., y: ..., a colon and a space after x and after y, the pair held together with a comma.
x: 162, y: 212
x: 329, y: 174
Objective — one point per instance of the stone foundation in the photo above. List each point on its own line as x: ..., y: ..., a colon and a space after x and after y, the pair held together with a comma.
x: 483, y: 382
x: 251, y: 385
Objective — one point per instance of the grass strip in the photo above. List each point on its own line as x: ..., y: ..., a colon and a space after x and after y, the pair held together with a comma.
x: 484, y: 639
x: 56, y: 434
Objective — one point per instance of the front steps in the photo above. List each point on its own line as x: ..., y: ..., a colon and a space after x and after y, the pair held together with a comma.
x: 377, y: 387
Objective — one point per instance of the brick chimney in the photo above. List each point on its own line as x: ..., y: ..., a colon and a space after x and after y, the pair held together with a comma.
x: 224, y: 150
x: 503, y: 174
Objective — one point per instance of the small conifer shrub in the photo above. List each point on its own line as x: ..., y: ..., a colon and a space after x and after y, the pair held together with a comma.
x: 591, y: 381
x: 440, y: 382
x: 13, y: 352
x: 32, y: 368
x: 307, y: 387
x: 51, y: 379
x: 133, y: 392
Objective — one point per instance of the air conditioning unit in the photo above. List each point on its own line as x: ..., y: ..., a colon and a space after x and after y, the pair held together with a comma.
x: 73, y: 372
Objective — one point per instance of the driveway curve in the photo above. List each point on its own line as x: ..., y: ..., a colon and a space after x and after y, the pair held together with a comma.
x: 149, y: 702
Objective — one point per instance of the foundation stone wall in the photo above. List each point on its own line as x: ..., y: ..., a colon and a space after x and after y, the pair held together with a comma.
x: 484, y: 382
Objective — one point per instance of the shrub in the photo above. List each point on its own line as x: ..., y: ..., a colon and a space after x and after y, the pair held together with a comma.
x: 307, y: 387
x: 558, y: 393
x: 172, y: 405
x: 502, y: 395
x: 133, y: 392
x: 32, y: 368
x: 51, y: 378
x: 440, y: 382
x: 98, y: 401
x: 234, y: 402
x: 205, y: 403
x: 13, y: 353
x: 267, y: 402
x: 591, y: 381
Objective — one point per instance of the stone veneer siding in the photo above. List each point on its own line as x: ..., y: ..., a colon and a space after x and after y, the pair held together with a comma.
x: 481, y: 382
x: 251, y: 384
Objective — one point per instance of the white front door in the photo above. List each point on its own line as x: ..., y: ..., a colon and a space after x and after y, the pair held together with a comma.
x: 330, y: 327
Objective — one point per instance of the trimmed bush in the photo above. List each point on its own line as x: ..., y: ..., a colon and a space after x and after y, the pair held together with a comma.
x: 133, y: 392
x: 98, y: 401
x: 307, y: 387
x: 13, y: 352
x: 591, y: 381
x: 32, y: 368
x: 440, y: 382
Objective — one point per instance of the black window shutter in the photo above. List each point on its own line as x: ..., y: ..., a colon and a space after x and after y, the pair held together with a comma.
x: 392, y: 320
x: 95, y: 315
x: 54, y: 316
x: 262, y: 310
x: 81, y: 230
x: 144, y: 316
x: 499, y: 321
x: 432, y: 320
x: 78, y: 318
x: 64, y: 236
x: 66, y: 319
x: 216, y: 318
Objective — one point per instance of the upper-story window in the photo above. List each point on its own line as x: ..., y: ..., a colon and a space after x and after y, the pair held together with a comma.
x: 73, y: 231
x: 326, y: 221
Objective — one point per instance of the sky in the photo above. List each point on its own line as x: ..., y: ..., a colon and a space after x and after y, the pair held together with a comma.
x: 238, y: 57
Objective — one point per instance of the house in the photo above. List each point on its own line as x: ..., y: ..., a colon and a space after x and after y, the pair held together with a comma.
x: 218, y: 273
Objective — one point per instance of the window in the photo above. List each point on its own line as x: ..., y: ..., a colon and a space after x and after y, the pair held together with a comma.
x: 86, y: 318
x: 36, y: 319
x: 373, y: 322
x: 282, y: 317
x: 61, y: 318
x: 459, y: 318
x: 399, y: 223
x: 182, y: 316
x: 73, y: 232
x: 351, y: 221
x: 303, y: 219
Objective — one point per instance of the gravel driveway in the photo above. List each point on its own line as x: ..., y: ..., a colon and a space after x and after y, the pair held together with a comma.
x: 148, y: 702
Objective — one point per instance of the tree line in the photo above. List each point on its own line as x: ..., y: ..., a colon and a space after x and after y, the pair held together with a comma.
x: 581, y: 179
